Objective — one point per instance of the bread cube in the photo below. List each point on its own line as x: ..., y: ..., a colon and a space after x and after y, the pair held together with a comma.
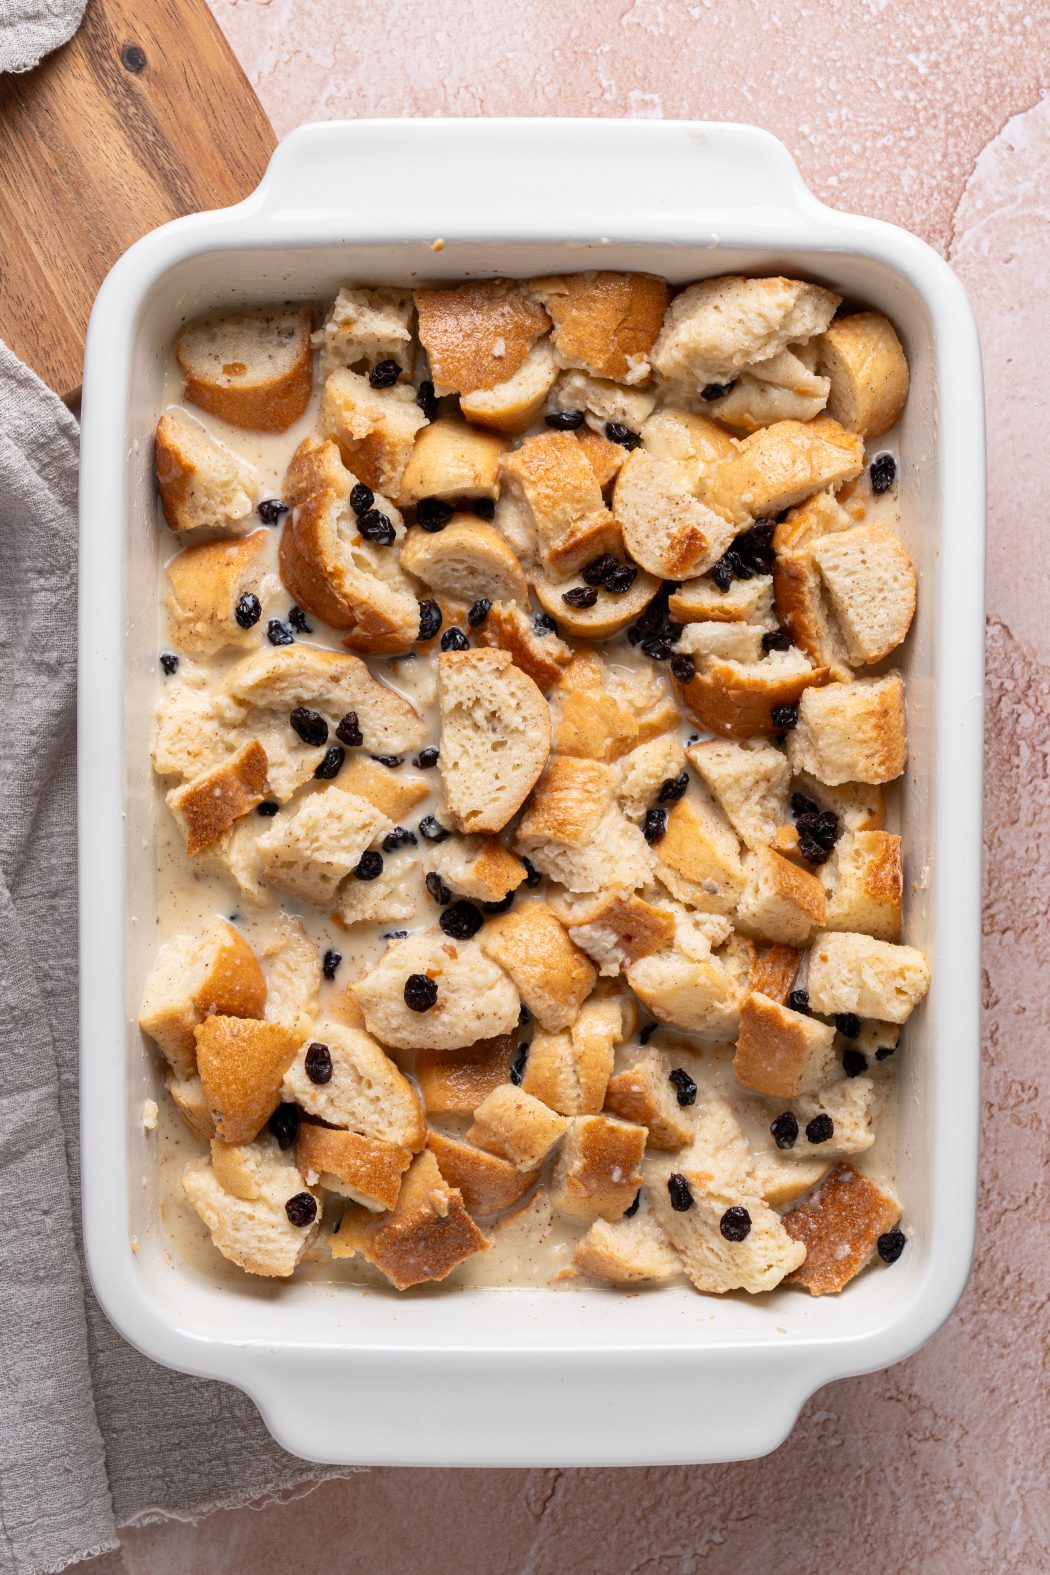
x: 293, y: 976
x: 839, y: 1226
x: 783, y: 388
x: 191, y: 734
x: 698, y: 857
x: 514, y: 403
x: 856, y: 973
x: 618, y: 928
x: 627, y: 1251
x: 365, y: 1093
x: 803, y: 613
x: 477, y: 335
x: 551, y: 974
x: 604, y: 323
x: 475, y: 998
x: 665, y: 528
x: 870, y: 582
x: 750, y: 783
x: 865, y: 361
x: 364, y: 1169
x: 453, y: 460
x: 242, y: 1063
x: 469, y: 559
x: 517, y: 1126
x: 716, y: 328
x: 779, y: 902
x: 850, y: 1107
x: 745, y: 601
x: 366, y: 326
x: 779, y: 465
x: 207, y: 582
x: 203, y: 485
x: 187, y: 1096
x: 423, y: 1238
x: 192, y: 977
x: 455, y: 1082
x: 598, y: 1170
x: 691, y: 986
x: 253, y: 369
x: 774, y: 971
x: 253, y: 1231
x: 780, y: 1052
x: 718, y: 1261
x: 851, y: 732
x: 554, y: 486
x: 737, y: 699
x: 539, y: 654
x: 374, y: 428
x: 644, y: 1093
x: 866, y: 885
x: 569, y: 1070
x: 644, y: 773
x: 488, y: 1183
x: 311, y: 851
x: 209, y: 804
x: 612, y: 611
x: 495, y: 737
x: 602, y: 402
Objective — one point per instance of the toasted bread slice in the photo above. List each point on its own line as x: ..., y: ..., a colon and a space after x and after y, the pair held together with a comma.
x: 514, y: 403
x: 781, y: 1052
x: 467, y: 560
x: 488, y: 1183
x: 477, y: 335
x: 252, y: 369
x: 851, y: 732
x: 425, y: 1236
x: 665, y: 528
x: 865, y: 361
x: 857, y: 973
x: 605, y: 323
x: 193, y: 977
x: 455, y: 1082
x: 495, y: 737
x: 537, y: 651
x: 715, y: 329
x: 375, y: 429
x: 871, y: 585
x: 517, y: 1126
x: 598, y: 1170
x: 364, y: 1169
x: 254, y: 1231
x: 242, y: 1062
x: 211, y: 803
x: 203, y: 485
x: 365, y: 1093
x: 839, y: 1227
x: 475, y: 998
x: 643, y: 1093
x: 552, y: 975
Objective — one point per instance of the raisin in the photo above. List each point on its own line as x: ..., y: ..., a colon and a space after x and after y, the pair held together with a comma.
x: 310, y: 726
x: 616, y: 432
x: 801, y: 805
x: 503, y: 906
x: 820, y: 1129
x: 854, y: 1062
x: 890, y: 1245
x: 580, y: 596
x: 332, y: 763
x: 798, y: 1000
x: 332, y: 959
x: 686, y: 1088
x: 848, y: 1024
x: 270, y: 510
x: 426, y: 399
x: 384, y: 374
x: 543, y: 624
x: 267, y: 808
x: 284, y: 1124
x: 785, y: 1130
x: 390, y: 761
x: 479, y: 612
x: 883, y: 472
x: 430, y: 618
x: 598, y: 568
x: 517, y: 1066
x: 679, y: 1193
x: 646, y: 1033
x: 753, y: 549
x: 722, y: 574
x: 437, y: 888
x: 658, y: 650
x: 784, y: 717
x: 524, y: 1015
x: 484, y: 508
x: 683, y: 668
x: 431, y: 829
x: 369, y: 866
x: 532, y: 875
x: 632, y: 1208
x: 654, y: 826
x: 297, y: 619
x: 362, y: 498
x: 776, y: 640
x: 318, y: 1063
x: 735, y: 1223
x: 620, y: 579
x: 394, y: 935
x: 302, y: 1209
x: 169, y: 662
x: 461, y: 922
x: 812, y: 851
x: 375, y: 526
x: 420, y: 992
x: 427, y: 758
x: 827, y: 830
x: 279, y: 633
x: 349, y: 731
x: 673, y: 789
x: 248, y: 611
x: 433, y: 514
x: 884, y: 1052
x: 565, y: 420
x: 400, y: 837
x: 454, y: 640
x: 712, y: 391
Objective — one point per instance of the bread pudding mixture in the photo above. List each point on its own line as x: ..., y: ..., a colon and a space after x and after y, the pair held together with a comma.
x: 529, y: 904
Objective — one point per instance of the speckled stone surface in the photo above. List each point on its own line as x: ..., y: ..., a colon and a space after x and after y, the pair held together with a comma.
x: 927, y: 114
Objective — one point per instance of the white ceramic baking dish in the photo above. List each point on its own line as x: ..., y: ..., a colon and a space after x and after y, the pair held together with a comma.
x: 520, y: 1377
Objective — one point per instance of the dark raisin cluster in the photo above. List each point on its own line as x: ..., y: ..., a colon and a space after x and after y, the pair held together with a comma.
x: 818, y: 831
x: 750, y: 554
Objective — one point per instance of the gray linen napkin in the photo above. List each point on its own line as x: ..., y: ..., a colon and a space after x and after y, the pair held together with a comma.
x: 92, y: 1435
x: 30, y: 29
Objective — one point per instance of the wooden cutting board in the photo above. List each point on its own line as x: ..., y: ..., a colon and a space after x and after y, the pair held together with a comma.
x: 144, y: 115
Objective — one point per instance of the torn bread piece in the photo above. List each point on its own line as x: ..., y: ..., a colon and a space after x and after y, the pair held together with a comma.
x: 607, y: 615
x: 423, y: 1238
x: 693, y: 986
x: 851, y: 732
x: 253, y: 369
x: 628, y: 1251
x: 479, y: 334
x: 208, y: 582
x: 602, y: 402
x: 554, y: 487
x: 781, y: 1052
x: 743, y: 601
x: 606, y: 459
x: 617, y: 928
x: 604, y: 323
x: 495, y: 737
x: 394, y: 896
x: 514, y: 403
x: 693, y: 445
x: 203, y: 484
x: 865, y: 884
x: 488, y: 1183
x: 190, y: 731
x: 721, y: 1149
x: 773, y: 971
x: 653, y: 769
x: 728, y: 1238
x: 365, y: 1092
x: 725, y: 641
x: 456, y: 1082
x: 779, y: 465
x: 665, y: 527
x: 717, y: 328
x: 193, y: 977
x: 474, y: 1000
x: 872, y: 978
x: 364, y: 1169
x: 551, y: 974
x: 786, y: 387
x: 871, y: 585
x: 737, y: 699
x: 868, y: 370
x: 849, y: 1107
x: 252, y: 1225
x: 698, y: 856
x: 293, y: 976
x: 537, y: 651
x: 453, y: 460
x: 839, y: 1227
x: 598, y: 1170
x: 309, y: 850
x: 479, y: 868
x: 365, y: 326
x: 375, y: 429
x: 570, y: 1070
x: 242, y: 1062
x: 601, y: 710
x: 750, y: 783
x: 211, y: 803
x: 572, y: 831
x: 467, y: 560
x: 516, y: 1126
x: 779, y: 902
x: 645, y: 1093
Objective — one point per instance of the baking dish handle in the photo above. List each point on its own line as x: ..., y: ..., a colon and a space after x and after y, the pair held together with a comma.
x: 405, y: 177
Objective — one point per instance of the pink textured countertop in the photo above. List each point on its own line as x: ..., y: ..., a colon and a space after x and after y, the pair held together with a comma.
x: 928, y: 114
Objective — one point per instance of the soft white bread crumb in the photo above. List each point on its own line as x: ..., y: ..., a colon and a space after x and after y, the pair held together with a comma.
x: 309, y: 851
x: 602, y: 401
x: 870, y: 582
x: 394, y: 895
x: 551, y: 973
x: 856, y: 973
x: 598, y: 1170
x: 627, y: 1251
x: 513, y: 404
x: 293, y: 975
x: 665, y: 528
x: 203, y: 485
x: 779, y: 902
x: 728, y: 641
x: 714, y: 1264
x: 366, y: 1093
x: 716, y: 328
x: 516, y: 1126
x: 252, y: 1231
x: 781, y: 1052
x: 698, y: 991
x: 643, y: 1092
x: 453, y: 460
x: 720, y: 1149
x: 690, y: 442
x: 750, y: 783
x: 868, y: 369
x: 554, y: 488
x: 253, y: 369
x: 366, y: 326
x: 745, y: 601
x: 190, y: 732
x: 851, y: 732
x: 206, y: 583
x: 467, y: 560
x: 865, y: 880
x: 641, y: 774
x: 495, y: 737
x: 374, y: 428
x: 604, y: 323
x: 475, y: 998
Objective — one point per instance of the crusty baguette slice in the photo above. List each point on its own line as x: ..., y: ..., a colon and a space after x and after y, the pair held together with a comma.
x: 422, y: 1238
x: 535, y: 649
x: 610, y: 613
x: 871, y: 583
x: 242, y: 1062
x: 495, y: 737
x: 203, y: 485
x: 365, y: 1093
x: 745, y: 601
x: 192, y: 977
x: 513, y: 404
x: 453, y: 460
x: 868, y: 369
x: 253, y: 369
x: 207, y: 582
x: 605, y: 323
x: 468, y: 560
x: 737, y: 699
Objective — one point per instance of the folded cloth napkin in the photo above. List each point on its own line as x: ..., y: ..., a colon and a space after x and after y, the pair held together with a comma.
x: 92, y: 1435
x: 30, y: 29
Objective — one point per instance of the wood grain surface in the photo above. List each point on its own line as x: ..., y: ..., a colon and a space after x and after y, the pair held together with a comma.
x: 144, y: 115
